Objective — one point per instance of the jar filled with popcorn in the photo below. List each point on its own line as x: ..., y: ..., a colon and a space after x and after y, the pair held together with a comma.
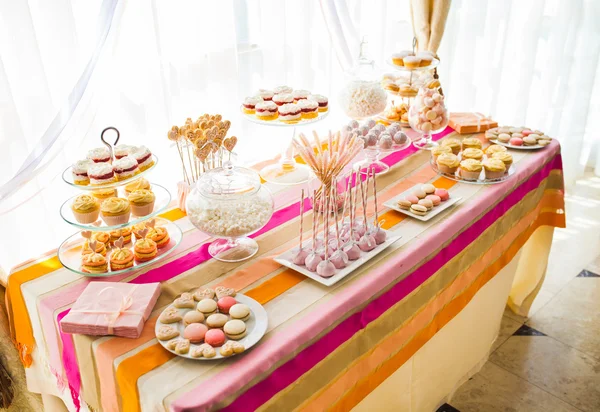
x: 230, y: 203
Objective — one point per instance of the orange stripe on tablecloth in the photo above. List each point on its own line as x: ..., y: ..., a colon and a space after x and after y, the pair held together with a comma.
x: 274, y: 286
x: 371, y: 360
x: 20, y: 325
x: 383, y: 371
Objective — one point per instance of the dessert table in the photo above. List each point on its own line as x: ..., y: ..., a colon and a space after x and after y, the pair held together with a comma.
x: 401, y: 333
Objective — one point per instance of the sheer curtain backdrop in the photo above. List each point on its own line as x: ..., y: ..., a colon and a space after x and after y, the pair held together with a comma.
x: 532, y: 63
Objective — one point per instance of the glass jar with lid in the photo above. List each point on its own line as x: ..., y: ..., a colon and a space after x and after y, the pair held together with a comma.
x: 230, y: 203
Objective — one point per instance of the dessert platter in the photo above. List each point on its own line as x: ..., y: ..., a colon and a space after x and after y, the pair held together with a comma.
x: 102, y: 254
x: 466, y: 161
x: 331, y: 255
x: 284, y: 106
x: 211, y: 324
x: 116, y: 212
x: 423, y: 202
x: 518, y: 138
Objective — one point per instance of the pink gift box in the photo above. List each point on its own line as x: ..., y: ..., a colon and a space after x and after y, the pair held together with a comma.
x: 111, y: 308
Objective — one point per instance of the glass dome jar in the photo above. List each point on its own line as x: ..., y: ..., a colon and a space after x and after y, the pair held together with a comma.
x: 230, y: 203
x: 427, y: 115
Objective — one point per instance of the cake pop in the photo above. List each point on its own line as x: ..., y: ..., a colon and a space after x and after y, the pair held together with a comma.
x: 378, y: 233
x: 366, y: 242
x: 351, y: 248
x: 325, y: 268
x: 301, y: 254
x: 339, y: 258
x: 313, y: 259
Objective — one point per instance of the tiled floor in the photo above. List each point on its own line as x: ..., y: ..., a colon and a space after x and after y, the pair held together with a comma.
x: 550, y: 361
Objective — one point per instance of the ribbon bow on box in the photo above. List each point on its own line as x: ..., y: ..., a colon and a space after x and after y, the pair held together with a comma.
x: 471, y: 122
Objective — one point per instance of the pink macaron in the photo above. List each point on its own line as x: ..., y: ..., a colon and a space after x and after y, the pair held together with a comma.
x: 412, y: 199
x: 436, y: 200
x: 516, y: 141
x: 225, y: 303
x: 215, y: 337
x: 526, y: 132
x: 195, y: 332
x: 442, y: 193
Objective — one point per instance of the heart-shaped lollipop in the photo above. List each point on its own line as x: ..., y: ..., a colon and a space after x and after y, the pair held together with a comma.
x: 230, y: 143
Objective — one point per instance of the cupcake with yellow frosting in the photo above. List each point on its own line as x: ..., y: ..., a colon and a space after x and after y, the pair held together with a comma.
x: 438, y: 150
x: 505, y: 157
x: 470, y: 169
x: 115, y: 211
x: 142, y: 202
x: 471, y: 142
x: 472, y: 153
x: 85, y: 209
x: 140, y: 183
x: 494, y: 168
x: 494, y: 149
x: 453, y: 144
x: 448, y: 163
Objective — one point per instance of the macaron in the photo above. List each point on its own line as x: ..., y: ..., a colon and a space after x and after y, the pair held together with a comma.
x: 516, y: 141
x: 235, y: 329
x: 207, y: 307
x: 225, y: 303
x: 420, y: 193
x: 214, y: 337
x: 404, y: 204
x: 412, y: 199
x: 216, y: 320
x: 530, y: 140
x: 428, y: 188
x: 443, y: 194
x: 193, y: 316
x: 240, y: 311
x: 526, y: 132
x: 195, y: 332
x: 434, y: 199
x: 427, y: 203
x: 418, y: 210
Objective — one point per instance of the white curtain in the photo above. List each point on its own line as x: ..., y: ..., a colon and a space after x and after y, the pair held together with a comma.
x: 532, y: 63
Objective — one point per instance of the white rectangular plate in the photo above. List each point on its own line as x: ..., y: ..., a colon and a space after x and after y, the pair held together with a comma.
x: 285, y: 259
x: 393, y: 204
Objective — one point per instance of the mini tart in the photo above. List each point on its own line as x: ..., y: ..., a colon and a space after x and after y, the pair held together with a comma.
x: 309, y: 108
x: 86, y: 209
x: 494, y: 168
x: 266, y: 111
x: 125, y: 233
x: 104, y: 194
x: 438, y: 150
x: 140, y: 183
x: 143, y: 157
x: 448, y: 163
x: 471, y: 143
x: 121, y: 259
x: 250, y: 103
x: 100, y: 248
x: 142, y: 202
x: 453, y: 144
x: 101, y: 174
x: 159, y: 236
x: 265, y: 94
x: 283, y: 98
x: 505, y: 157
x: 472, y: 153
x: 470, y: 169
x: 115, y: 211
x: 494, y: 149
x: 144, y: 250
x: 125, y: 167
x: 94, y: 263
x: 80, y: 171
x: 102, y: 237
x: 290, y: 112
x: 99, y: 155
x: 321, y: 100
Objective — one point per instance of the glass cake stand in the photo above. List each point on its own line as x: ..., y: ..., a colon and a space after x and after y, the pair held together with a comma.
x: 287, y: 171
x: 373, y: 162
x: 481, y: 181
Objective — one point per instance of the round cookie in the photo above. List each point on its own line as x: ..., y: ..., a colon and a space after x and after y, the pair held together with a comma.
x: 235, y: 329
x: 240, y: 311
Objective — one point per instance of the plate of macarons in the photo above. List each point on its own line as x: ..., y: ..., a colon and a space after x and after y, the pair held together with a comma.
x: 211, y: 324
x: 518, y: 138
x: 422, y: 202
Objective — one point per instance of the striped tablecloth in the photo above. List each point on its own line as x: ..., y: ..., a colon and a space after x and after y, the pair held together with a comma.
x: 325, y: 347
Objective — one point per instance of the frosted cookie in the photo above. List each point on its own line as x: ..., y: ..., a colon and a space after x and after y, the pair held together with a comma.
x: 222, y: 291
x: 182, y: 347
x: 231, y: 347
x: 185, y: 301
x: 203, y: 351
x: 170, y: 315
x: 204, y: 294
x: 166, y: 332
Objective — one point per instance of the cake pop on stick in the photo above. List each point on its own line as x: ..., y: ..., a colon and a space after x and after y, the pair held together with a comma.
x: 313, y: 258
x: 302, y: 253
x: 344, y: 230
x: 339, y: 258
x: 366, y: 242
x: 378, y: 233
x: 351, y: 248
x: 358, y: 227
x: 325, y: 268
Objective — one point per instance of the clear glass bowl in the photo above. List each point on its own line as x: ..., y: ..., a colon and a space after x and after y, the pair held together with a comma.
x: 230, y: 203
x: 427, y: 115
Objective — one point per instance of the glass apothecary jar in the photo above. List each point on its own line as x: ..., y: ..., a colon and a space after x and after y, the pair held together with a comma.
x: 427, y: 115
x: 230, y: 203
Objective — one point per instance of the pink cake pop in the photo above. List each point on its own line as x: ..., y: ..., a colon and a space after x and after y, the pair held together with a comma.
x: 351, y: 248
x: 339, y: 258
x: 366, y: 242
x: 301, y: 254
x: 313, y: 259
x: 325, y: 268
x: 378, y: 233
